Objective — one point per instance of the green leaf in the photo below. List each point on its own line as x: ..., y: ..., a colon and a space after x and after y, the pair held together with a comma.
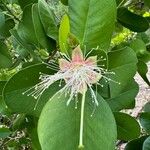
x: 6, y: 24
x: 132, y: 21
x: 127, y: 127
x: 136, y: 144
x: 24, y: 3
x: 145, y: 121
x: 48, y: 20
x: 22, y: 52
x: 19, y: 122
x: 21, y: 82
x: 90, y: 24
x: 147, y: 107
x: 138, y: 46
x: 39, y: 30
x: 64, y: 31
x: 59, y: 123
x: 4, y: 132
x: 146, y: 144
x: 125, y: 100
x: 22, y: 43
x: 5, y: 58
x: 143, y: 70
x: 26, y: 29
x: 123, y: 63
x: 144, y: 36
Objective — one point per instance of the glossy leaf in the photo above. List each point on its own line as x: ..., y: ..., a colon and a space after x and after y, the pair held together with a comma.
x: 139, y: 47
x: 127, y: 127
x: 126, y: 99
x: 143, y: 70
x: 146, y: 144
x: 136, y: 144
x: 21, y: 42
x: 26, y: 29
x: 4, y: 132
x: 39, y: 30
x: 58, y: 122
x: 90, y: 24
x: 124, y: 68
x: 22, y: 81
x: 121, y: 89
x: 145, y: 121
x: 131, y: 20
x: 47, y: 19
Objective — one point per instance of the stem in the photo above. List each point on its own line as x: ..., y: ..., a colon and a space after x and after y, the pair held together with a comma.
x: 81, y: 146
x: 52, y: 55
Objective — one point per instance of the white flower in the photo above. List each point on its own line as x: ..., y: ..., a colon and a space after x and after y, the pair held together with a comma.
x: 78, y: 72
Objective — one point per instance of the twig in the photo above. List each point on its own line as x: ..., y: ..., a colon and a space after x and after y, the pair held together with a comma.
x: 52, y: 55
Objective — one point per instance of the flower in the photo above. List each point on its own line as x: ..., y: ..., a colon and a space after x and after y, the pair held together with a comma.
x: 78, y: 72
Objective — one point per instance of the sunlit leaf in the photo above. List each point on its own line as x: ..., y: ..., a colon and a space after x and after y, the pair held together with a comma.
x: 64, y: 31
x: 90, y: 24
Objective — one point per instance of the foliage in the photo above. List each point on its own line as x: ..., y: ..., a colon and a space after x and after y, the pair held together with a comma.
x: 35, y: 36
x: 143, y: 142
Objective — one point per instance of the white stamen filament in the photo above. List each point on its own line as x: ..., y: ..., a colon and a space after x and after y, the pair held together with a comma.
x: 76, y: 77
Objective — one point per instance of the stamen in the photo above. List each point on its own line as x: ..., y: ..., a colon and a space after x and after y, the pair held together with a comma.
x: 79, y: 75
x: 93, y: 111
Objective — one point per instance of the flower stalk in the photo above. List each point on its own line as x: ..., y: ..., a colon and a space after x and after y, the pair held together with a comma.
x: 81, y: 146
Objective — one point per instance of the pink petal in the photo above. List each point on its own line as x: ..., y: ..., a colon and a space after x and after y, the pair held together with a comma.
x: 77, y: 55
x: 64, y: 64
x: 91, y: 60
